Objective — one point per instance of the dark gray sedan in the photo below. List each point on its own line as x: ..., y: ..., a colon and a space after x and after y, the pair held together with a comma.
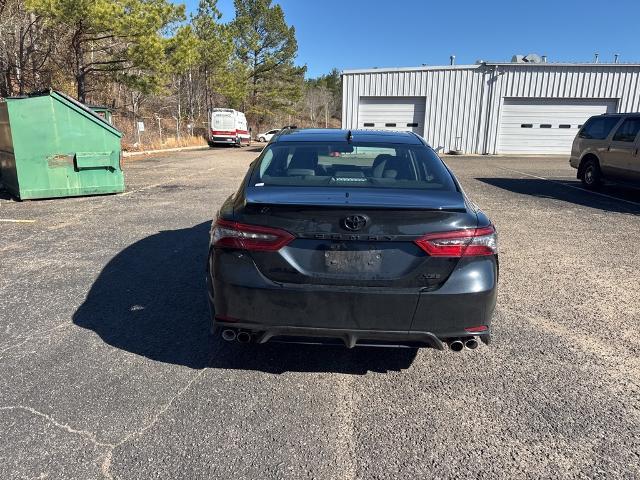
x: 360, y: 237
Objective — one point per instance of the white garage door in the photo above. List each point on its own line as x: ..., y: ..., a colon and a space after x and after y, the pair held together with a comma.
x: 545, y: 125
x: 392, y: 113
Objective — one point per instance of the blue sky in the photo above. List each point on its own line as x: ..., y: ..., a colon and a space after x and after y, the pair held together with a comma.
x: 359, y: 34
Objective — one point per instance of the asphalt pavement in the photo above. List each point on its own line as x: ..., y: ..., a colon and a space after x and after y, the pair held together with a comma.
x: 107, y: 369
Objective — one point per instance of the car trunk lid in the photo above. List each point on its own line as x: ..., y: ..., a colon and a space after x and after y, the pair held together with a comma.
x: 379, y: 252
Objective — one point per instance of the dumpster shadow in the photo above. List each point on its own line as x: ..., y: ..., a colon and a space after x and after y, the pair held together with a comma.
x: 150, y: 300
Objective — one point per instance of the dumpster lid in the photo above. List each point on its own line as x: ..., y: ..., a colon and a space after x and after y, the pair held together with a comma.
x: 99, y: 107
x: 73, y: 103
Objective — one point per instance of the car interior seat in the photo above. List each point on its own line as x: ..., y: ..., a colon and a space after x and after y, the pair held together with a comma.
x: 379, y: 163
x: 304, y: 159
x: 398, y: 168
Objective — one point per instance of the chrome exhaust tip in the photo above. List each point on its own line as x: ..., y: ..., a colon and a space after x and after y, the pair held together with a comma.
x: 471, y: 344
x: 229, y: 335
x: 456, y: 345
x: 244, y: 337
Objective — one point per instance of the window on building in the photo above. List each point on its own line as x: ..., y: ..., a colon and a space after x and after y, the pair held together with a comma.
x: 526, y: 125
x: 389, y: 124
x: 412, y: 124
x: 628, y: 131
x: 369, y: 124
x: 564, y: 125
x: 598, y: 128
x: 545, y: 125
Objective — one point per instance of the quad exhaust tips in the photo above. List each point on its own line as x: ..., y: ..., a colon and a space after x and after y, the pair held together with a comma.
x: 229, y: 335
x: 458, y: 344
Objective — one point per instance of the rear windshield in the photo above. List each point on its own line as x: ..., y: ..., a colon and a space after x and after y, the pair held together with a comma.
x: 352, y: 165
x: 598, y: 128
x: 223, y: 122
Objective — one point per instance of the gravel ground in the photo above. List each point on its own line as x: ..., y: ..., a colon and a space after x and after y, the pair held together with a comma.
x: 106, y: 370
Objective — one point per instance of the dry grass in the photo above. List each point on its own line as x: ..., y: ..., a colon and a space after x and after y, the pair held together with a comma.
x: 167, y: 142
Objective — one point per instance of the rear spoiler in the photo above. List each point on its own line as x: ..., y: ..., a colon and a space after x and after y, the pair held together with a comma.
x: 327, y: 197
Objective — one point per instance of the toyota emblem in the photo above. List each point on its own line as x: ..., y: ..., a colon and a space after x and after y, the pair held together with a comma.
x: 354, y: 222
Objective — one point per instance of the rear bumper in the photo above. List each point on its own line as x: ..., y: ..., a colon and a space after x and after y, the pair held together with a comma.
x: 350, y: 337
x: 225, y: 139
x: 246, y: 300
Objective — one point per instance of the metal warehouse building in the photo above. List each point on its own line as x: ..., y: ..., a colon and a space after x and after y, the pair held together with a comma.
x: 490, y: 107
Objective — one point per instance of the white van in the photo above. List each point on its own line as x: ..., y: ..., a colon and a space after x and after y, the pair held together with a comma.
x: 228, y: 126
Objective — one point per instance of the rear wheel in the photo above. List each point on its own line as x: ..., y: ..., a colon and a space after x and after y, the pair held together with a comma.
x: 590, y: 175
x: 262, y: 139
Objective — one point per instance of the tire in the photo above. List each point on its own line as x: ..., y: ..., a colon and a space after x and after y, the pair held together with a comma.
x: 590, y: 174
x: 262, y: 139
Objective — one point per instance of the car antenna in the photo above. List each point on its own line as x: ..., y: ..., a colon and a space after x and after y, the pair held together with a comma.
x: 349, y: 136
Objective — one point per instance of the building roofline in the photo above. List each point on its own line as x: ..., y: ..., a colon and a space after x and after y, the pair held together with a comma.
x: 409, y: 69
x: 562, y: 64
x: 491, y: 64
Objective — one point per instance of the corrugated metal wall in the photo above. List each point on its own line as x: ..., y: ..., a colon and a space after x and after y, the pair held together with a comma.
x: 463, y: 103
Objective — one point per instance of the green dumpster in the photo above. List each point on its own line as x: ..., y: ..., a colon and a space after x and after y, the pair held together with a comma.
x: 53, y: 146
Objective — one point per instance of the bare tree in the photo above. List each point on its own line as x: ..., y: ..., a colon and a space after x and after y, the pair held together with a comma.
x: 25, y: 50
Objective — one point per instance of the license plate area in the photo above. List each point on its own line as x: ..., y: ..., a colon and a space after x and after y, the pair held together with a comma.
x: 353, y: 261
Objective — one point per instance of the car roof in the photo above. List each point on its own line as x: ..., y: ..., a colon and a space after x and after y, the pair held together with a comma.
x: 629, y: 114
x: 339, y: 135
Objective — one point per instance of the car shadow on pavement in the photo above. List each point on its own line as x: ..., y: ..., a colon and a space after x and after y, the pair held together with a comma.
x: 150, y: 300
x: 572, y: 192
x: 4, y: 194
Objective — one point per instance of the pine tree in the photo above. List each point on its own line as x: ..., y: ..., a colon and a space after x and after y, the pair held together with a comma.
x: 224, y: 76
x: 122, y: 40
x: 267, y: 46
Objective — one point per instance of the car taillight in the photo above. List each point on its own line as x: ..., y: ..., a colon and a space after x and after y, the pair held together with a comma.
x: 248, y: 237
x: 460, y: 243
x: 478, y: 329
